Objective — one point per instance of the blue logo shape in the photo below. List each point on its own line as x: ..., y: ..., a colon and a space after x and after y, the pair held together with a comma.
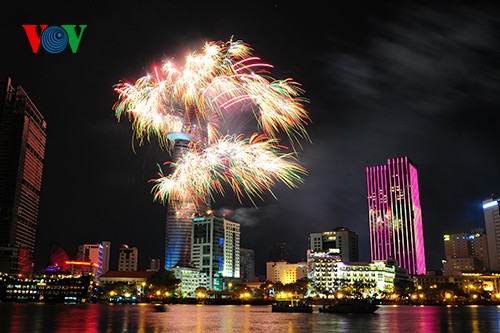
x: 54, y: 39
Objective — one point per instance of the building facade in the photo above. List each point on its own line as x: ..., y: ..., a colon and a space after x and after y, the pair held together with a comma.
x: 127, y: 259
x: 284, y: 272
x: 465, y: 252
x: 247, y: 265
x: 180, y: 215
x: 22, y: 151
x: 216, y: 249
x: 395, y: 214
x: 340, y: 240
x: 95, y: 254
x: 328, y: 274
x: 492, y: 225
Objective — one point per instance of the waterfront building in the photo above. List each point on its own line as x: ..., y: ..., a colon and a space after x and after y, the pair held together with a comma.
x: 128, y: 258
x: 340, y: 240
x: 284, y: 272
x: 395, y: 214
x: 328, y: 274
x: 95, y: 254
x: 216, y: 249
x: 468, y: 282
x: 22, y: 152
x: 190, y: 279
x: 492, y: 225
x: 465, y: 252
x: 322, y: 268
x: 50, y: 286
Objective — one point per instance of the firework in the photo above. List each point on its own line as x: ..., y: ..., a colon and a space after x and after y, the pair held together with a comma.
x: 193, y: 101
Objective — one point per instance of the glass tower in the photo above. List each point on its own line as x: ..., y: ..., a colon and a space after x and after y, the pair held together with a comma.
x: 22, y: 151
x: 180, y: 214
x: 395, y: 217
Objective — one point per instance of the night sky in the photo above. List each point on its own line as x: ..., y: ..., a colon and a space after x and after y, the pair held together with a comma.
x: 382, y: 81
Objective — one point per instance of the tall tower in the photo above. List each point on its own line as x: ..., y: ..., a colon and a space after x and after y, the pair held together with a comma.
x: 216, y: 248
x: 22, y: 150
x: 492, y: 225
x: 395, y: 217
x: 180, y: 216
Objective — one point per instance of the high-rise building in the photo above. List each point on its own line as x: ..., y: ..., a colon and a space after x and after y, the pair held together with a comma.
x: 180, y: 216
x: 395, y: 214
x: 465, y: 252
x: 340, y: 240
x: 247, y: 264
x: 106, y: 253
x: 492, y: 225
x: 216, y: 248
x: 22, y: 151
x: 127, y: 258
x: 97, y: 255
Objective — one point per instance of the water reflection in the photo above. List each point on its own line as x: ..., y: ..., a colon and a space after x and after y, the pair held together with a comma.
x: 88, y: 318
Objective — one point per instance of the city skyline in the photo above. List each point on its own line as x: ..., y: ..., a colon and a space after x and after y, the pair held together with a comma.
x: 382, y: 81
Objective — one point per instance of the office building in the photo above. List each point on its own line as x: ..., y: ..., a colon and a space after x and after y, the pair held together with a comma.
x: 216, y: 249
x: 284, y: 272
x: 97, y: 255
x: 22, y: 151
x: 247, y: 265
x: 340, y: 240
x: 395, y: 214
x: 492, y: 226
x: 180, y: 216
x: 127, y: 259
x: 465, y: 252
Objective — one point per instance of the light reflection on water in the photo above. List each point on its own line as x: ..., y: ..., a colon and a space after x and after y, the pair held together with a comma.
x: 90, y: 318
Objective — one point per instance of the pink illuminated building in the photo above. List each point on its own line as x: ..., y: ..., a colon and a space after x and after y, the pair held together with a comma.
x: 395, y: 214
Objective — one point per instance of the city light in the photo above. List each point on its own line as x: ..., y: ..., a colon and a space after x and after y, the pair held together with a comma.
x: 490, y: 204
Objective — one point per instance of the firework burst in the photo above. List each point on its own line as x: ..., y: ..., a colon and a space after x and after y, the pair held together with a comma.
x: 193, y: 100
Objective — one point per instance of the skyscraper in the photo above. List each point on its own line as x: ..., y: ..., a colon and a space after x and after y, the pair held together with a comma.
x: 22, y: 150
x: 395, y: 217
x: 492, y: 225
x: 216, y: 248
x: 340, y: 240
x: 180, y: 214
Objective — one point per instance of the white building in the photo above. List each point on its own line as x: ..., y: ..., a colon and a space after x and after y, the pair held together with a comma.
x: 127, y: 259
x: 215, y: 249
x: 328, y: 274
x: 191, y: 278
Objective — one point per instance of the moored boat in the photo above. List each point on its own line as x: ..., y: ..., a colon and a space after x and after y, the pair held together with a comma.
x: 292, y: 305
x: 351, y: 306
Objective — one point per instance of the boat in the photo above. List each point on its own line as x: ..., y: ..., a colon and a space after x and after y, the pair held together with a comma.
x: 350, y: 306
x: 292, y: 305
x: 159, y: 307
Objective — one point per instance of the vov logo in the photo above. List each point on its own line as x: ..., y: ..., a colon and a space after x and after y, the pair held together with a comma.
x: 54, y: 39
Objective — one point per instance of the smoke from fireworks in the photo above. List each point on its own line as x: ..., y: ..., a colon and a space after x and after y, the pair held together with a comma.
x: 190, y: 103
